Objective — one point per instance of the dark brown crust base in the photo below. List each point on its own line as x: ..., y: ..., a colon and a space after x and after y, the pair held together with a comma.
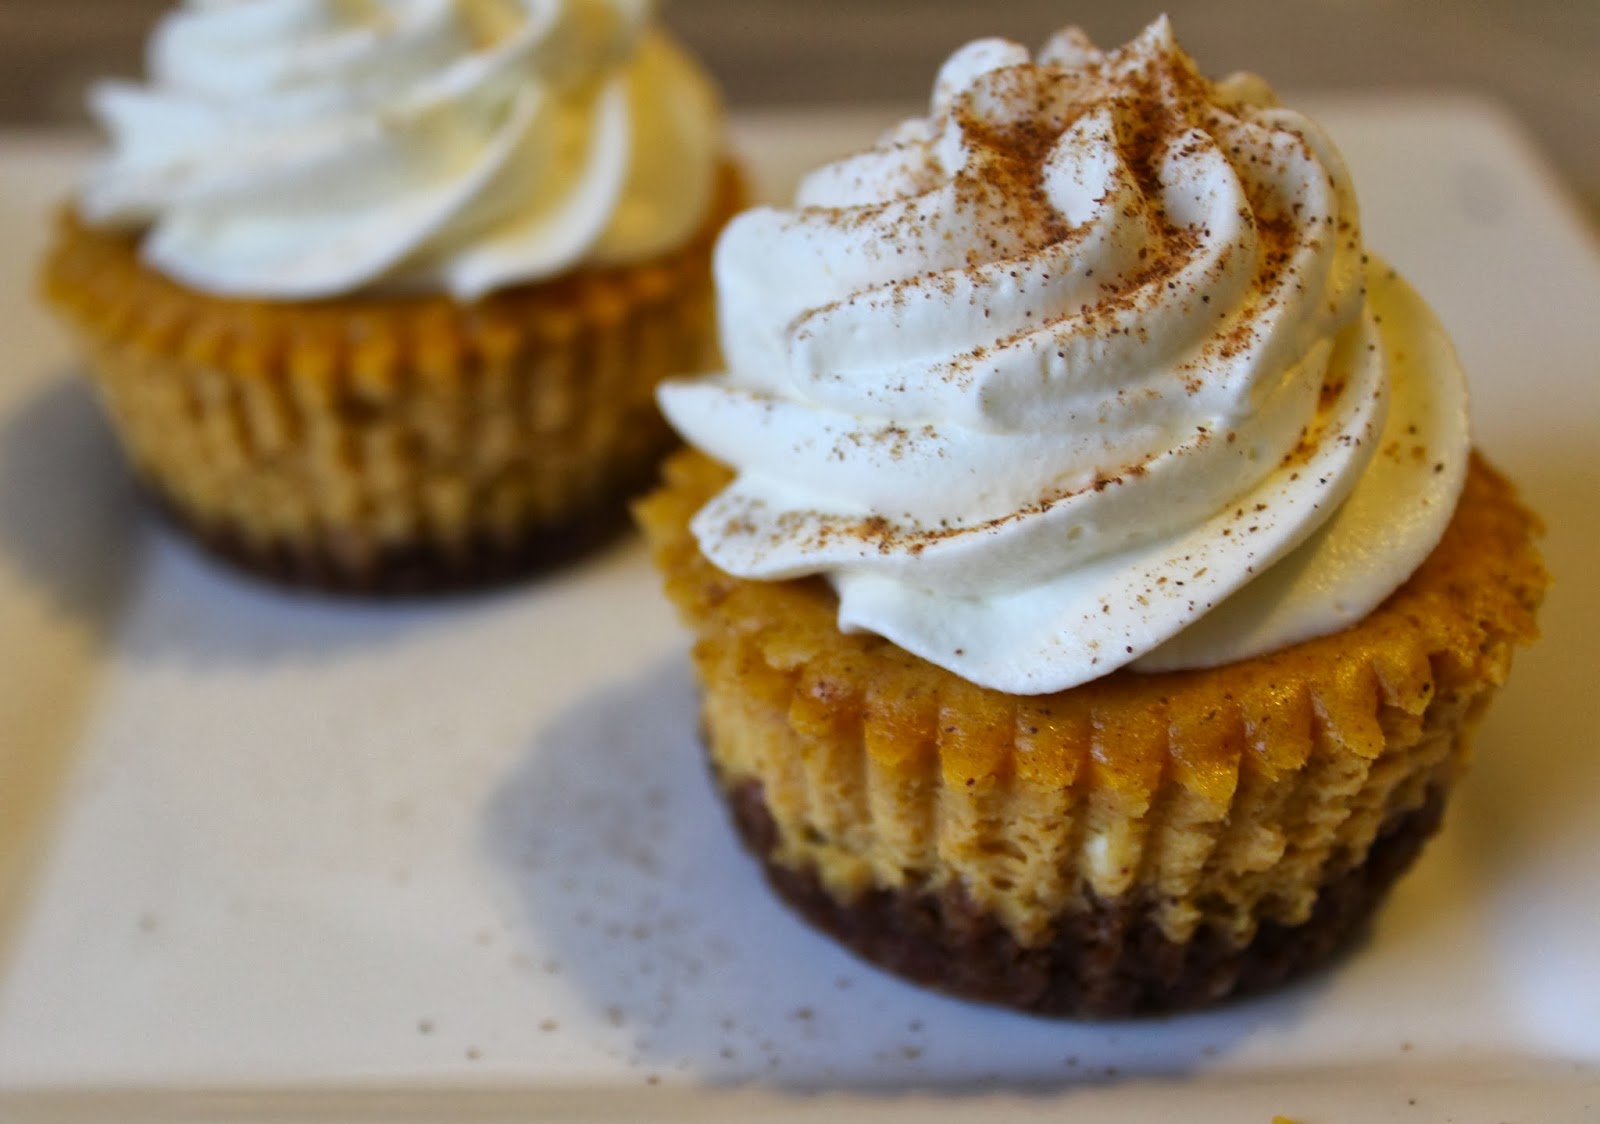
x: 412, y: 569
x: 1106, y: 962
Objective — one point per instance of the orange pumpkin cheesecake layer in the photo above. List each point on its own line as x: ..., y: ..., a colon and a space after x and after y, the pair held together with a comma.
x: 386, y: 443
x: 1210, y: 804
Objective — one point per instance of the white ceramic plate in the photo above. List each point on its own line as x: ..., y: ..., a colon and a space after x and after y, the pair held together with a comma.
x: 309, y: 860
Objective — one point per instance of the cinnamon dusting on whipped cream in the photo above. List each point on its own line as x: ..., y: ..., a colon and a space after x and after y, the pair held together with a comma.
x: 1006, y: 377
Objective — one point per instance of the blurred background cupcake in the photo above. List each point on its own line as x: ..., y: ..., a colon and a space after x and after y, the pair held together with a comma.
x: 376, y: 294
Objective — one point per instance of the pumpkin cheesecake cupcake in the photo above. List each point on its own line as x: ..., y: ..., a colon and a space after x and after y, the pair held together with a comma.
x: 1093, y: 581
x: 377, y: 295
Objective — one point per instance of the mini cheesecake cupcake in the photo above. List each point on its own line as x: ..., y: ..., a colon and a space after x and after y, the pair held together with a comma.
x: 1094, y: 583
x: 377, y: 295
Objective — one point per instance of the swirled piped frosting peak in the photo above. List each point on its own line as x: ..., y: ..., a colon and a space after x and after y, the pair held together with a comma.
x: 1086, y: 368
x: 297, y: 149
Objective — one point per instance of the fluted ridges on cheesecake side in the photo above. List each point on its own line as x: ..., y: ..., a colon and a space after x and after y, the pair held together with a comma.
x: 1228, y: 794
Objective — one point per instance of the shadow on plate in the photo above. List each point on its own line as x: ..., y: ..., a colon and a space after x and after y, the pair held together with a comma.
x: 70, y: 516
x: 197, y: 611
x: 627, y: 871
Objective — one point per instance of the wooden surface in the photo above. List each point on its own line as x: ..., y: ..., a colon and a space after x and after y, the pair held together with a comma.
x: 1541, y: 57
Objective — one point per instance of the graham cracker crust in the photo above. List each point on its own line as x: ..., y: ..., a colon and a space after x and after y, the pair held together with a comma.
x: 1110, y: 960
x: 329, y: 564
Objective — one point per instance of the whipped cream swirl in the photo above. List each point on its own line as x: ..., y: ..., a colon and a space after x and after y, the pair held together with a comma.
x: 1045, y: 378
x: 298, y: 149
